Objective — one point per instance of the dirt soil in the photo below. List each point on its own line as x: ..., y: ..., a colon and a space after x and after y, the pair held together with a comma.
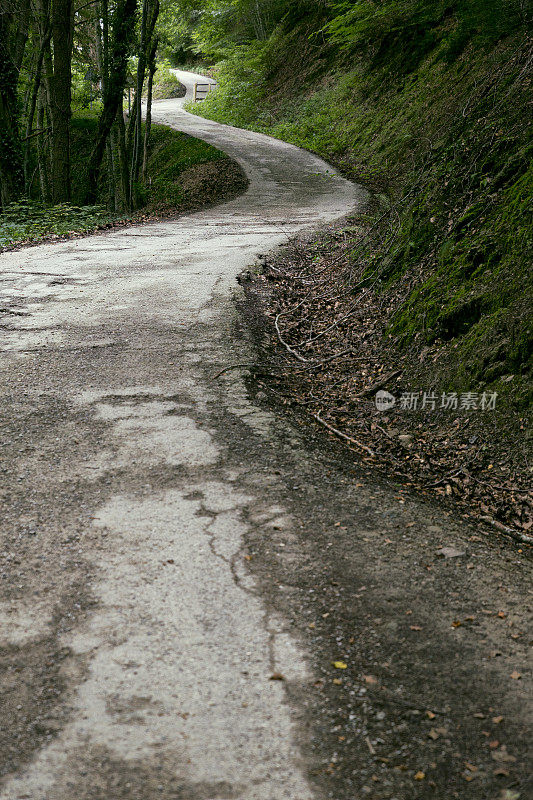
x: 332, y: 354
x: 211, y: 183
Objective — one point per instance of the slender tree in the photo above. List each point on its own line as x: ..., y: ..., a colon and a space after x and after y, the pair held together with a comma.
x: 11, y: 172
x: 60, y: 97
x: 32, y: 105
x: 148, y: 122
x: 150, y: 12
x: 40, y: 40
x: 121, y: 37
x: 43, y: 150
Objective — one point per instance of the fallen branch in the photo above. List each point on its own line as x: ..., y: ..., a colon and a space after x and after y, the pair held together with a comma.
x: 37, y: 133
x: 229, y: 369
x: 287, y: 346
x: 256, y: 372
x: 318, y: 364
x: 383, y: 381
x: 342, y: 435
x: 384, y: 432
x: 497, y: 486
x: 494, y: 486
x: 446, y: 479
x: 519, y: 537
x: 370, y: 746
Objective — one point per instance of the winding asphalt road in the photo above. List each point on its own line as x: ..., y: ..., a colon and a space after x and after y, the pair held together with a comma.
x: 126, y: 329
x: 139, y: 639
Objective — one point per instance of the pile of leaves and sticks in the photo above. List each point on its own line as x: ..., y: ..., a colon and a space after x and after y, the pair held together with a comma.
x: 334, y: 356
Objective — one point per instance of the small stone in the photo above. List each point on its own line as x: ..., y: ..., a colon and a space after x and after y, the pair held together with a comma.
x: 450, y: 552
x: 406, y: 439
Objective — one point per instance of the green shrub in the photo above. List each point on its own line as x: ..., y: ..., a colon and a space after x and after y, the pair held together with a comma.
x: 28, y: 220
x: 166, y: 86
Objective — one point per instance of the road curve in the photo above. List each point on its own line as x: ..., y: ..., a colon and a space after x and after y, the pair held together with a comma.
x: 169, y: 546
x: 137, y: 575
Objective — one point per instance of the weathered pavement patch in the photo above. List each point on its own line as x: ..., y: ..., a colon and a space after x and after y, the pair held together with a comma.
x: 178, y: 649
x: 167, y: 545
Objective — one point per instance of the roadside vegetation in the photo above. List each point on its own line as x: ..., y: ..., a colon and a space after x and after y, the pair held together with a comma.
x: 165, y: 84
x: 75, y: 153
x: 27, y: 221
x: 426, y: 104
x: 55, y: 54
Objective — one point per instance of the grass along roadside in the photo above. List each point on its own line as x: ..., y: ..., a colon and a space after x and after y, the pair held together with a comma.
x: 166, y: 86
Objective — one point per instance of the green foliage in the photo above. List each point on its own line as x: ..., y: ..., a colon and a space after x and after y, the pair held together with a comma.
x: 228, y: 23
x: 399, y: 33
x: 174, y: 28
x: 402, y: 33
x: 166, y: 86
x: 170, y: 154
x: 211, y: 29
x: 84, y: 93
x: 241, y: 79
x: 27, y: 220
x: 11, y: 176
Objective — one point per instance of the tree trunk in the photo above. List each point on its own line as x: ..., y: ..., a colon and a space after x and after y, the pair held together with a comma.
x: 20, y: 34
x: 135, y: 121
x: 11, y: 173
x: 149, y: 19
x: 148, y: 123
x: 118, y: 200
x: 60, y: 90
x: 123, y: 156
x: 43, y: 23
x: 30, y: 114
x: 123, y: 22
x: 102, y: 60
x: 42, y: 150
x: 111, y: 201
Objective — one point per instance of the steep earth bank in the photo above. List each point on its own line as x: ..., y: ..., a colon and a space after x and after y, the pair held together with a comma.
x: 431, y: 285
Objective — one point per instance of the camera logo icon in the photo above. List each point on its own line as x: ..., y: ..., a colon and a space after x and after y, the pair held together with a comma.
x: 385, y: 400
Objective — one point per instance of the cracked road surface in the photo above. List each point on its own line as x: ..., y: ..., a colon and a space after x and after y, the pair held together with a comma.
x: 169, y: 672
x: 165, y: 535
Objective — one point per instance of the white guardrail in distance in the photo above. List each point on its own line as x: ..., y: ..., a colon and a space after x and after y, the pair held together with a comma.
x: 201, y: 90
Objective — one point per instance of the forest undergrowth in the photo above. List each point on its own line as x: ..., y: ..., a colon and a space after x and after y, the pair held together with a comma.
x: 432, y: 282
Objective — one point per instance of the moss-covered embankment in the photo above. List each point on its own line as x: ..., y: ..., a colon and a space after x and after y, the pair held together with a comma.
x: 437, y: 123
